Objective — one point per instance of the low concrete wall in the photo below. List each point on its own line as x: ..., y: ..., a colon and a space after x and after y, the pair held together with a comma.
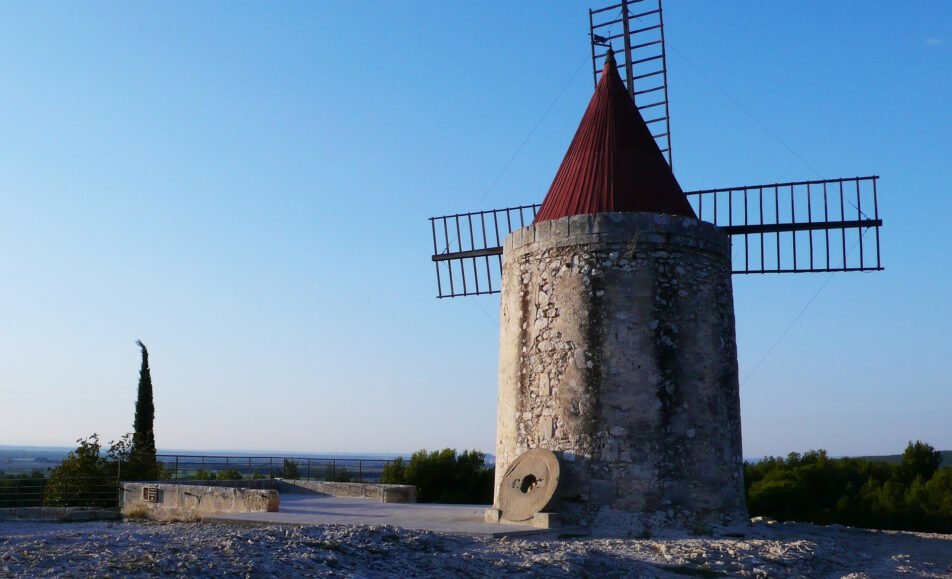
x: 386, y: 493
x: 58, y: 514
x: 253, y: 483
x: 186, y: 502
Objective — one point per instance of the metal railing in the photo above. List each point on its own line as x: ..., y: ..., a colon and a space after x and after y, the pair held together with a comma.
x: 471, y: 257
x: 795, y: 227
x: 59, y: 492
x: 192, y: 466
x: 801, y: 226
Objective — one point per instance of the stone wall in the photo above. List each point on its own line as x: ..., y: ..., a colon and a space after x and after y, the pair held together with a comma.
x: 383, y: 492
x: 186, y: 502
x: 617, y: 352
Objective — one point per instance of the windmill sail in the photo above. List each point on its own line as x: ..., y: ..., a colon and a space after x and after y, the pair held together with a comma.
x: 795, y: 227
x: 635, y: 30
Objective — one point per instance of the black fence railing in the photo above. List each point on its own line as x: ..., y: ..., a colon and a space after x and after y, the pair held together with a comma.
x: 102, y: 492
x: 198, y: 467
x: 796, y: 227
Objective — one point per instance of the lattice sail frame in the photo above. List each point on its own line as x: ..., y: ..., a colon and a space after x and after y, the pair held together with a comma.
x: 796, y: 227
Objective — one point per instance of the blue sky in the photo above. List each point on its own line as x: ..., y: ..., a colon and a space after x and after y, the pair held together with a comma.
x: 246, y: 186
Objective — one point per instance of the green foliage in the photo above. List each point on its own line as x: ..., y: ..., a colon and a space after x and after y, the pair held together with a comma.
x: 142, y: 461
x: 913, y: 495
x: 22, y: 490
x: 920, y: 460
x: 290, y: 470
x: 228, y: 474
x: 88, y: 476
x: 394, y: 472
x: 329, y: 472
x: 444, y: 477
x: 339, y: 475
x: 83, y: 478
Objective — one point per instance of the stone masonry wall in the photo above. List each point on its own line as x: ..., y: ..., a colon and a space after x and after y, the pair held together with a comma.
x: 617, y: 352
x: 184, y: 502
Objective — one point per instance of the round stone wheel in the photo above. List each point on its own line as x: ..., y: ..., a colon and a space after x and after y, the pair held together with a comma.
x: 529, y: 484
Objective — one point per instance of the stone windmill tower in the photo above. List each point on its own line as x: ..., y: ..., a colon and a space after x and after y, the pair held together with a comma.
x: 617, y: 348
x: 617, y: 344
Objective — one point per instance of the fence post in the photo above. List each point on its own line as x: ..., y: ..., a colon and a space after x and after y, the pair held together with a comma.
x: 308, y: 469
x: 271, y: 466
x: 176, y: 467
x: 360, y: 471
x: 333, y: 468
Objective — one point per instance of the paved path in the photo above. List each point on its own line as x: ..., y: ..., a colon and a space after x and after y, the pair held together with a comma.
x: 307, y: 509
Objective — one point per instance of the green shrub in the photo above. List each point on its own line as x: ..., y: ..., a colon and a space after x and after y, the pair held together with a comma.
x: 82, y: 479
x: 915, y: 495
x: 291, y: 470
x: 444, y: 477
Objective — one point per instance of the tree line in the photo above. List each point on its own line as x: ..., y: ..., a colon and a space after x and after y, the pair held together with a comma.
x: 914, y: 495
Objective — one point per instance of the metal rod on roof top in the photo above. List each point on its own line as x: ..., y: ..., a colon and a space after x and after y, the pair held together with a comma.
x: 591, y: 29
x: 664, y: 82
x: 628, y: 73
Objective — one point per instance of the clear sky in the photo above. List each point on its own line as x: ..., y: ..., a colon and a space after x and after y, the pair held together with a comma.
x: 245, y: 187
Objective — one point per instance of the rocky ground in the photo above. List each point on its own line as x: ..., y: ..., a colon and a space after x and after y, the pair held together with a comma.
x: 762, y: 549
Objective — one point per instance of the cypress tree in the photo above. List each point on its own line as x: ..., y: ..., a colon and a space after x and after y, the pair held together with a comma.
x: 142, y: 456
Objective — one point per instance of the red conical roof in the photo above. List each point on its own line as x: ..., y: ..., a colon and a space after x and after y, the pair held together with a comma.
x: 613, y: 163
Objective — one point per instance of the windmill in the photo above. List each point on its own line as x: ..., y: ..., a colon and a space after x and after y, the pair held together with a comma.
x: 792, y: 227
x: 617, y: 342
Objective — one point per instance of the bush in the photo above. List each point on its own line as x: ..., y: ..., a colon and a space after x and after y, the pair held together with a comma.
x: 444, y: 477
x: 82, y: 479
x: 291, y: 470
x: 228, y: 474
x: 22, y: 490
x: 915, y: 495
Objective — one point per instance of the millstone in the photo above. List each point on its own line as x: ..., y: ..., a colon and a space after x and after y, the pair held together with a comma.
x: 528, y: 485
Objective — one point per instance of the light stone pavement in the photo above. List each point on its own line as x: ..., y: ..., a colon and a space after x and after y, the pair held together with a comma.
x: 759, y: 549
x: 316, y: 509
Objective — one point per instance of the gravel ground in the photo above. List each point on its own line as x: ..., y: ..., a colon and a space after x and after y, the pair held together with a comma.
x: 762, y: 549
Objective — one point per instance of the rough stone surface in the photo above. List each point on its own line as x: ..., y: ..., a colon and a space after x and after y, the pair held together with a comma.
x: 617, y: 352
x: 385, y: 492
x: 177, y: 502
x: 146, y: 549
